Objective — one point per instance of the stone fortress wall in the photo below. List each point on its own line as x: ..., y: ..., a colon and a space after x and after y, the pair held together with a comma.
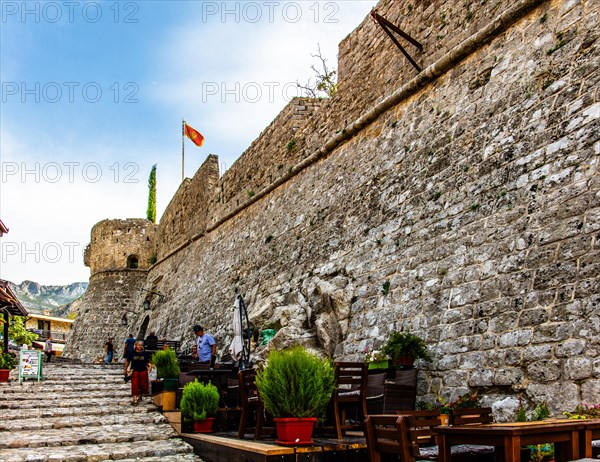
x: 462, y: 203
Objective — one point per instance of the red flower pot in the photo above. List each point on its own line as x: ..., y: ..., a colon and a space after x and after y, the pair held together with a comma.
x: 4, y: 375
x: 295, y: 431
x: 205, y: 426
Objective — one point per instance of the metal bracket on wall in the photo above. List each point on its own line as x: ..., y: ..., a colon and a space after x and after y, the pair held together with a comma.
x: 386, y: 26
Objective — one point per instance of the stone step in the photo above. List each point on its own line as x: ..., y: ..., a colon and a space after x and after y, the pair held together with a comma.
x: 175, y: 458
x: 132, y: 451
x: 63, y: 412
x: 91, y: 434
x: 21, y: 422
x: 83, y: 413
x: 49, y: 396
x: 70, y: 402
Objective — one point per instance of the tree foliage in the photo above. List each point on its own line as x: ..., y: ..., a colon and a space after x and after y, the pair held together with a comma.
x: 151, y: 211
x: 18, y: 334
x: 324, y: 84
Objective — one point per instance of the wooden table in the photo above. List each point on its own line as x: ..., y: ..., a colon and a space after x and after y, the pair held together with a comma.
x: 591, y: 431
x: 509, y: 437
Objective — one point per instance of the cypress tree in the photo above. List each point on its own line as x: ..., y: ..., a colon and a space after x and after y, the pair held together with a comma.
x: 151, y: 212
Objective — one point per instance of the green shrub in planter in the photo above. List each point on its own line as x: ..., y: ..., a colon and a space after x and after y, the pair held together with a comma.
x: 167, y: 365
x: 199, y: 401
x: 296, y: 383
x: 7, y: 361
x: 406, y: 344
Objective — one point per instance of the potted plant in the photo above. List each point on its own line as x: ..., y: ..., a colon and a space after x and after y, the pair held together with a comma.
x: 376, y: 359
x: 296, y: 387
x: 7, y: 363
x: 199, y: 402
x: 404, y: 348
x: 167, y: 368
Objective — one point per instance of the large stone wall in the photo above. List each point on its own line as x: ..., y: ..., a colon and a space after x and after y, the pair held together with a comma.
x: 462, y: 204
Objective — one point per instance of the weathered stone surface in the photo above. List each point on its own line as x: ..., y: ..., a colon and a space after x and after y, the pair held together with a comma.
x: 465, y: 207
x: 86, y: 416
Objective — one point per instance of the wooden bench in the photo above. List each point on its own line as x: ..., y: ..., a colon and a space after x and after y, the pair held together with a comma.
x: 153, y: 346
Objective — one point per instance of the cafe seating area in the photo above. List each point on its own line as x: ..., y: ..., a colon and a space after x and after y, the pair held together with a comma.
x: 372, y: 416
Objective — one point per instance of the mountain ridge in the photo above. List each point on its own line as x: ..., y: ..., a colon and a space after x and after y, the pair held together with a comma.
x: 56, y: 299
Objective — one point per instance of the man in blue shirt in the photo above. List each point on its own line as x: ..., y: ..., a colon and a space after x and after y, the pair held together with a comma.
x: 206, y: 345
x: 129, y: 343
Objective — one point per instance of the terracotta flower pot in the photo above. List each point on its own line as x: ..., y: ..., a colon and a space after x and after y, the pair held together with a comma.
x: 292, y: 431
x: 4, y: 375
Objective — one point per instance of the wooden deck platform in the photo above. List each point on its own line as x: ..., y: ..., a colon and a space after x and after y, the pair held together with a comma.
x: 216, y: 447
x: 226, y: 447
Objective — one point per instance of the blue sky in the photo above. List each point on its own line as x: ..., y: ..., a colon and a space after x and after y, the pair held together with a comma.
x: 93, y: 94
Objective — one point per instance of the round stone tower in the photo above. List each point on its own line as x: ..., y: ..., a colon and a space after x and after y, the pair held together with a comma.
x: 119, y: 256
x: 121, y: 244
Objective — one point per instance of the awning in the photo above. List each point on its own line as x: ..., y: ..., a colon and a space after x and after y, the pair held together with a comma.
x: 9, y: 301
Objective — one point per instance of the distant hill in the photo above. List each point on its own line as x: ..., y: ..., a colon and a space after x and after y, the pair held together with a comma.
x: 37, y: 298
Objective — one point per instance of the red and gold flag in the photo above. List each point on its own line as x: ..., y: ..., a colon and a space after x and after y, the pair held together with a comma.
x: 194, y: 135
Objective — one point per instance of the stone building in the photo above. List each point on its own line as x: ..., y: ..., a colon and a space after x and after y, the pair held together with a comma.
x: 461, y: 202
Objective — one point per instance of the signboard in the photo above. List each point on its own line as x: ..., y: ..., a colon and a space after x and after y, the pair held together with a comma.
x: 30, y: 365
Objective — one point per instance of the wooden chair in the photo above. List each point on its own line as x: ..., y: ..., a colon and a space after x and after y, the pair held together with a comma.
x: 418, y: 431
x: 473, y: 416
x: 384, y: 437
x: 350, y: 392
x: 250, y: 401
x: 375, y: 393
x: 402, y: 394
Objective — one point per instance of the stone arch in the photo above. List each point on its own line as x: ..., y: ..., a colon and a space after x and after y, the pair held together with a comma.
x: 142, y: 332
x: 132, y: 262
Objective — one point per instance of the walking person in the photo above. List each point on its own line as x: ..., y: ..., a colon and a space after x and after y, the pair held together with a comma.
x: 48, y: 349
x: 137, y: 366
x: 108, y: 346
x: 129, y: 343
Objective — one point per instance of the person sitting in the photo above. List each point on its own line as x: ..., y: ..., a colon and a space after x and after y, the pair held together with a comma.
x: 151, y: 342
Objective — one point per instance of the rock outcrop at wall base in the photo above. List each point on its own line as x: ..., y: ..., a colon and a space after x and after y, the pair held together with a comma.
x: 462, y: 204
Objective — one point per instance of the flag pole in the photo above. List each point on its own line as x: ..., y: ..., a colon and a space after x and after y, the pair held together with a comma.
x: 182, y: 149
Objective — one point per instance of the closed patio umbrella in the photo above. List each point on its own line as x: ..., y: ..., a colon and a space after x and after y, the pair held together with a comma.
x: 237, y: 346
x: 240, y: 346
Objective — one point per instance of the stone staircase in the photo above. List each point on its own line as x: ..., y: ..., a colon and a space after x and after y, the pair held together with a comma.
x: 83, y: 413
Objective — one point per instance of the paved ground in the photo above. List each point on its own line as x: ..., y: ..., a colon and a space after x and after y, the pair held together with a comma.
x: 83, y: 414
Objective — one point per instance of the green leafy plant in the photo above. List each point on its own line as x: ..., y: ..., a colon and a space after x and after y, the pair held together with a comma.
x: 540, y: 412
x: 296, y: 383
x: 18, y: 333
x: 7, y: 361
x: 521, y: 412
x: 199, y: 401
x: 167, y: 365
x: 406, y: 344
x: 586, y: 411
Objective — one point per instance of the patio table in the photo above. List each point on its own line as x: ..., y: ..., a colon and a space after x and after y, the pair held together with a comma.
x: 509, y: 437
x: 591, y: 431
